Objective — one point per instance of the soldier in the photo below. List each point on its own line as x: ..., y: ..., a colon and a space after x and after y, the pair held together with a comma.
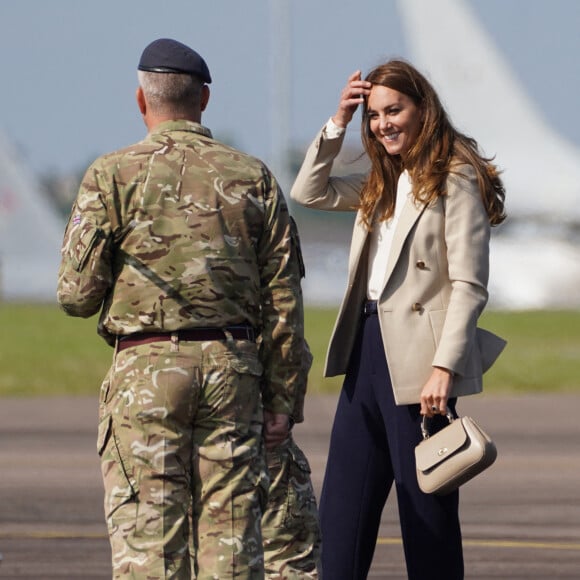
x: 185, y: 247
x: 290, y: 526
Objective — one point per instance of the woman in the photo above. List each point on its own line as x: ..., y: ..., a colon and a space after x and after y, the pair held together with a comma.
x: 406, y: 334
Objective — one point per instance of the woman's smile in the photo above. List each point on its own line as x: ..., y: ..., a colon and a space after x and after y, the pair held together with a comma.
x: 394, y: 119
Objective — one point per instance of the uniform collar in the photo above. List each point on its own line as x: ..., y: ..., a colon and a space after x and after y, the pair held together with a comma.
x: 181, y: 125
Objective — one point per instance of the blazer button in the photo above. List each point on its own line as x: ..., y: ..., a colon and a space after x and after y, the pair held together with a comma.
x: 420, y: 264
x: 417, y: 307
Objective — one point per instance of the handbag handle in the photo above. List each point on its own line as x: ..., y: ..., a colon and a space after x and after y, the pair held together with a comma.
x: 425, y: 431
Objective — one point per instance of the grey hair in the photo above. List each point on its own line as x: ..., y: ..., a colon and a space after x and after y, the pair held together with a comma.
x: 170, y: 92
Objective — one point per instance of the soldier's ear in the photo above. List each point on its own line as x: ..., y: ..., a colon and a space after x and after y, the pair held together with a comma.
x: 141, y: 102
x: 204, y: 97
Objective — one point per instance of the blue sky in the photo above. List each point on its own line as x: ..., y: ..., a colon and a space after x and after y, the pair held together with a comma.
x: 69, y: 65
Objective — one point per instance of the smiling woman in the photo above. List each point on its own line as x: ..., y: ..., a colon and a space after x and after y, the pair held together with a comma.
x: 394, y: 119
x: 406, y: 336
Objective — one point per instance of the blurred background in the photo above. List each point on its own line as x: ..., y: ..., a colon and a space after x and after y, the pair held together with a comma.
x: 507, y: 71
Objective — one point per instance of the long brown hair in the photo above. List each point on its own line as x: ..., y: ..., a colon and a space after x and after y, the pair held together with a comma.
x: 438, y: 149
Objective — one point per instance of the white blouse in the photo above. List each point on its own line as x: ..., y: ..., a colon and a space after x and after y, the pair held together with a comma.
x: 381, y: 240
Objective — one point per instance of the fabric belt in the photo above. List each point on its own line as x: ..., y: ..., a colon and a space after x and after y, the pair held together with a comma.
x: 193, y: 334
x: 370, y: 307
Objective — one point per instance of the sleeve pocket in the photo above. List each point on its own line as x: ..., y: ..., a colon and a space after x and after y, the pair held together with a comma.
x: 83, y: 241
x: 81, y: 237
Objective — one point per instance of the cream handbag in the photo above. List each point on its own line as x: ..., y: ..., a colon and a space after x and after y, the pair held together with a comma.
x: 453, y: 455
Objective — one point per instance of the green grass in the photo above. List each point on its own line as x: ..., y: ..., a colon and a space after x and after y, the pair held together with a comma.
x: 542, y: 354
x: 44, y: 352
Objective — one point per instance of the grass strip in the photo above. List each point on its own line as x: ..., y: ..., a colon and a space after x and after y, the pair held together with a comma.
x: 45, y: 352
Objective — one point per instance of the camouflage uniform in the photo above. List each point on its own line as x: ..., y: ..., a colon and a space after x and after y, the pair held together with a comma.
x: 181, y: 232
x: 290, y: 526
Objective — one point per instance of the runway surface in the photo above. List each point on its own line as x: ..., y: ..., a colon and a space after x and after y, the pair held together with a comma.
x: 521, y: 518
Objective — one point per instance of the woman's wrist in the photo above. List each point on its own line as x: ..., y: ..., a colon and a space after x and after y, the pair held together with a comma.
x: 339, y: 121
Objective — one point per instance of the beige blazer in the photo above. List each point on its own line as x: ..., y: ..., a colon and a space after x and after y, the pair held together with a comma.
x: 435, y: 285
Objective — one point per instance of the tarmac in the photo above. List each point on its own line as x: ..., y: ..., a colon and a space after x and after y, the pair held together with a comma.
x: 520, y: 519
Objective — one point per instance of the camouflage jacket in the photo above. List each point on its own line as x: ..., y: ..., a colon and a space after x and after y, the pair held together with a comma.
x: 181, y: 231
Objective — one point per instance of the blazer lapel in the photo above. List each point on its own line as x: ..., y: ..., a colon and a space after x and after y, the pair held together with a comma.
x: 359, y: 236
x: 410, y: 214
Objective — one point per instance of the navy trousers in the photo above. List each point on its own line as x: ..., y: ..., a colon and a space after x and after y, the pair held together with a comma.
x: 372, y: 445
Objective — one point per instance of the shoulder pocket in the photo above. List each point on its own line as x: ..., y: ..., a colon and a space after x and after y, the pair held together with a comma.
x: 83, y: 239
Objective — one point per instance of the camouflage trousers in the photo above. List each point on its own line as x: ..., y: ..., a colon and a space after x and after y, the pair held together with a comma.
x: 290, y: 526
x: 183, y: 461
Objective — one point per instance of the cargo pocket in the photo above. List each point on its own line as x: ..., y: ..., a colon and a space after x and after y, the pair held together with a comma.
x: 241, y: 397
x: 291, y: 503
x: 276, y: 512
x: 120, y: 486
x: 103, y: 434
x: 262, y: 481
x: 302, y: 510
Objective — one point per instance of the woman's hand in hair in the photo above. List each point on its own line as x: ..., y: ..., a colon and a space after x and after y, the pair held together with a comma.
x: 351, y: 97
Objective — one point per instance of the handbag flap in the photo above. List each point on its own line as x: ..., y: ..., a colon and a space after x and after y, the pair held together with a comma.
x: 440, y: 446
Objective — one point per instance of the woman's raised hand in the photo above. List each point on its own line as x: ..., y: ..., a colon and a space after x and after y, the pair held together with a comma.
x: 350, y: 98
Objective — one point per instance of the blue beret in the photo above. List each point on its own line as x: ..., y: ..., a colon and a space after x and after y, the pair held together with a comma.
x: 169, y: 56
